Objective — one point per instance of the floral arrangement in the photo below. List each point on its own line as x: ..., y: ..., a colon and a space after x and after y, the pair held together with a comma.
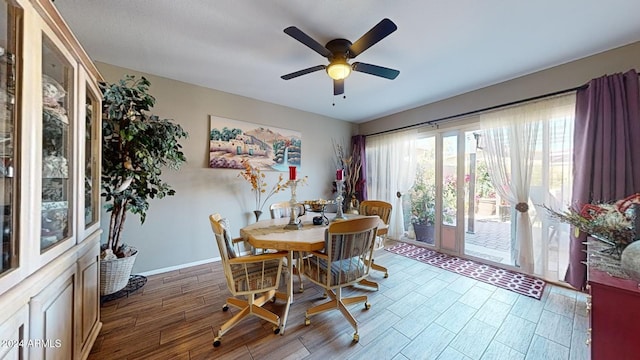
x: 610, y: 223
x: 259, y: 185
x: 351, y: 165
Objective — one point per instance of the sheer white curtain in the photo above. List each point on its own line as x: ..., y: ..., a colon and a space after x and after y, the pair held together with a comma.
x: 513, y: 140
x: 391, y: 168
x: 551, y: 186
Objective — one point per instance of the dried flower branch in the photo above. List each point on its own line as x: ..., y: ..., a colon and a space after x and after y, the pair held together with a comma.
x: 259, y: 185
x: 351, y: 165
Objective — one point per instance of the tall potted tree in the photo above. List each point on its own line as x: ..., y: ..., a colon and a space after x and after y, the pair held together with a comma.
x: 136, y: 147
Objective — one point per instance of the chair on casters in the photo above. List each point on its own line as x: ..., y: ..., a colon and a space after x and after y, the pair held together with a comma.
x: 283, y: 210
x: 383, y: 210
x: 343, y: 262
x: 247, y: 276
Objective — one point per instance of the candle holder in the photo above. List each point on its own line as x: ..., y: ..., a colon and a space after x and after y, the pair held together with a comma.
x: 294, y: 222
x: 339, y: 198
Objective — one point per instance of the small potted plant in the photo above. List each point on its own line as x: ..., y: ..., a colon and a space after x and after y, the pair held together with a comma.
x: 486, y: 194
x: 136, y: 147
x: 423, y: 211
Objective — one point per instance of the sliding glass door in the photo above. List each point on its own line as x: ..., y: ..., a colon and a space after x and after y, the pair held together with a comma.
x: 487, y: 218
x: 454, y: 205
x: 450, y: 195
x: 419, y: 205
x: 433, y: 202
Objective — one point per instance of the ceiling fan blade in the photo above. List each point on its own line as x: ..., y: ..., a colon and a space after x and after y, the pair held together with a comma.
x: 377, y: 33
x: 297, y: 34
x: 303, y: 72
x: 338, y: 87
x: 375, y: 70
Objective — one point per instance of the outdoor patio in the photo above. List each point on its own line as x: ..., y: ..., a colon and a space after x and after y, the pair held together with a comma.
x: 491, y: 240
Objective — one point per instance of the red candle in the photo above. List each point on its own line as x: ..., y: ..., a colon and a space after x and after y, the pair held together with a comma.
x: 339, y: 174
x: 292, y: 172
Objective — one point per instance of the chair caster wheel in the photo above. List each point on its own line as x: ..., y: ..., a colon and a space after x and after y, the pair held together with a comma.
x: 307, y: 321
x: 273, y: 300
x: 217, y: 341
x: 367, y: 306
x: 225, y: 307
x: 301, y: 290
x: 276, y: 330
x: 356, y: 337
x: 386, y: 275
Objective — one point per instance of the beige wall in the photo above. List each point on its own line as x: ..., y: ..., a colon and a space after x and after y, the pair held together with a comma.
x: 177, y: 229
x: 558, y: 78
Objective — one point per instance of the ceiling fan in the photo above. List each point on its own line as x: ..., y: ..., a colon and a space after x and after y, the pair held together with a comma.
x: 339, y: 51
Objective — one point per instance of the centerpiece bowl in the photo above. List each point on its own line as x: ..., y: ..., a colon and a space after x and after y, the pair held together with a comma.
x: 319, y: 206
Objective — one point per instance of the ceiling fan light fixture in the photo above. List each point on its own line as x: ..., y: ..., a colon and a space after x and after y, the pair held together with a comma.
x: 339, y: 70
x: 339, y: 51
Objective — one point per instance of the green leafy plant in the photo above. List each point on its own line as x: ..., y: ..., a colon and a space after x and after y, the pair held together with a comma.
x: 422, y: 196
x: 136, y: 147
x: 484, y: 186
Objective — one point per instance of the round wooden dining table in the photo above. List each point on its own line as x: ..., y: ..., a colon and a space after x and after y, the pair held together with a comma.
x: 272, y: 234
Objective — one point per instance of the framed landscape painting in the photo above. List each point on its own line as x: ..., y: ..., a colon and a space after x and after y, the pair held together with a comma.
x: 265, y: 147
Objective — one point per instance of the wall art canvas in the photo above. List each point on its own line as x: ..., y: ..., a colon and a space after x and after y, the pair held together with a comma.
x: 265, y: 147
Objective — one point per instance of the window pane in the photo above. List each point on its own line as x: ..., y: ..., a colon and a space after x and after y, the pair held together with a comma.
x: 422, y: 196
x: 10, y: 29
x: 91, y: 178
x: 449, y: 179
x: 57, y: 82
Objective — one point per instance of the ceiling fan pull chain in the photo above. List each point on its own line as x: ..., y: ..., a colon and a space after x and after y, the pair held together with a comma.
x: 334, y: 99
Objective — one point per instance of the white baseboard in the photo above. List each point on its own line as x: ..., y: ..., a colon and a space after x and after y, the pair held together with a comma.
x: 178, y: 267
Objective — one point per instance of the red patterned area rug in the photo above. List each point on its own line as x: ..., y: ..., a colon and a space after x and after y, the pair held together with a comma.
x: 510, y: 280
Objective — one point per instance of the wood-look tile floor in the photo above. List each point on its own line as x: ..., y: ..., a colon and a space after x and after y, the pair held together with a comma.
x: 420, y: 312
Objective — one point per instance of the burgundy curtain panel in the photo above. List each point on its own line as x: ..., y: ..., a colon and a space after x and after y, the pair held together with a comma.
x: 606, y: 162
x: 358, y: 149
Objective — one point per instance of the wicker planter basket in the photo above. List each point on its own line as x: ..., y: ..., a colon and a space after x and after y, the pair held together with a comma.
x: 114, y: 274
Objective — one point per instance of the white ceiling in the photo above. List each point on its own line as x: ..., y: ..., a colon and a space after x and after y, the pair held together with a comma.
x: 441, y: 48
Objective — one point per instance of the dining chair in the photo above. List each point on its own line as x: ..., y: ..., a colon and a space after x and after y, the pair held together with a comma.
x: 383, y: 210
x: 248, y: 276
x: 283, y: 210
x: 343, y: 262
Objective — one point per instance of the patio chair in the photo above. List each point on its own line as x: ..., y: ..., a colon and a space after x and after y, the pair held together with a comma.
x: 550, y: 225
x: 247, y: 276
x: 343, y: 262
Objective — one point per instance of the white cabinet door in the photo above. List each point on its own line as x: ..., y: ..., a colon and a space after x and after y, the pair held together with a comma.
x: 52, y: 318
x: 12, y: 335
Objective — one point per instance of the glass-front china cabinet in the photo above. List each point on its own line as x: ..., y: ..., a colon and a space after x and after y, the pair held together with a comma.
x: 50, y: 130
x: 11, y: 29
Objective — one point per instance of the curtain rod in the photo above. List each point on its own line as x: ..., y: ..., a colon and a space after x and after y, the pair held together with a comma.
x: 431, y: 122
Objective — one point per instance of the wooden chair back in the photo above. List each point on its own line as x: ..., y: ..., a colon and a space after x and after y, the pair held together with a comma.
x: 377, y: 207
x: 245, y: 274
x: 348, y: 245
x: 283, y: 210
